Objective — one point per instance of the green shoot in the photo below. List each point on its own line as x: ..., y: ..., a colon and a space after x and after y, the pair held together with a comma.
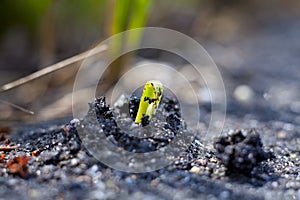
x: 150, y: 100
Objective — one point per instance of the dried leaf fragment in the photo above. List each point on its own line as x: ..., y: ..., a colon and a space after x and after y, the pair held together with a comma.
x: 2, y: 156
x: 18, y: 165
x: 7, y: 148
x: 36, y: 152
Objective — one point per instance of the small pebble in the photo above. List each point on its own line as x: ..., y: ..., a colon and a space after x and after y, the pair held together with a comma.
x: 224, y: 195
x: 74, y: 162
x: 243, y: 93
x: 195, y: 170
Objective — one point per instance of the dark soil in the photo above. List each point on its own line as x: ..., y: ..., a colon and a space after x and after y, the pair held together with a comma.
x: 60, y: 167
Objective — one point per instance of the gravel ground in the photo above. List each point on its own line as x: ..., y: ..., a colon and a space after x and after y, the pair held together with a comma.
x: 51, y: 163
x: 256, y: 157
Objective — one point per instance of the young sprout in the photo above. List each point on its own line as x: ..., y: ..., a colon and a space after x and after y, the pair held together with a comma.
x: 150, y: 100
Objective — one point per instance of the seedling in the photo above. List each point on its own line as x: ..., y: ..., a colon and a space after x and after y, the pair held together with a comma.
x: 150, y: 100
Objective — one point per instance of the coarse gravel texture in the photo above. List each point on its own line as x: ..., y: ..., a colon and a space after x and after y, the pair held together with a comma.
x: 60, y: 167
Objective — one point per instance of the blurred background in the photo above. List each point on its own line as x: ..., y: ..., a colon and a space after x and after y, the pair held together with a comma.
x: 254, y: 43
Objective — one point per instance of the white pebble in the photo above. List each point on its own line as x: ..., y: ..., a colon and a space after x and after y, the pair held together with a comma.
x: 243, y: 93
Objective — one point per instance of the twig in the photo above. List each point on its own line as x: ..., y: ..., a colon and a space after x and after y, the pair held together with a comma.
x: 52, y: 68
x: 8, y: 148
x: 17, y: 107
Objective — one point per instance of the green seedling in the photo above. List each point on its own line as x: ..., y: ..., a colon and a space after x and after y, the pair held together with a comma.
x: 150, y: 100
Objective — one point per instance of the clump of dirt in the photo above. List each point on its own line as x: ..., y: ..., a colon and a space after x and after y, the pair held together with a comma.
x: 124, y: 132
x: 240, y: 151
